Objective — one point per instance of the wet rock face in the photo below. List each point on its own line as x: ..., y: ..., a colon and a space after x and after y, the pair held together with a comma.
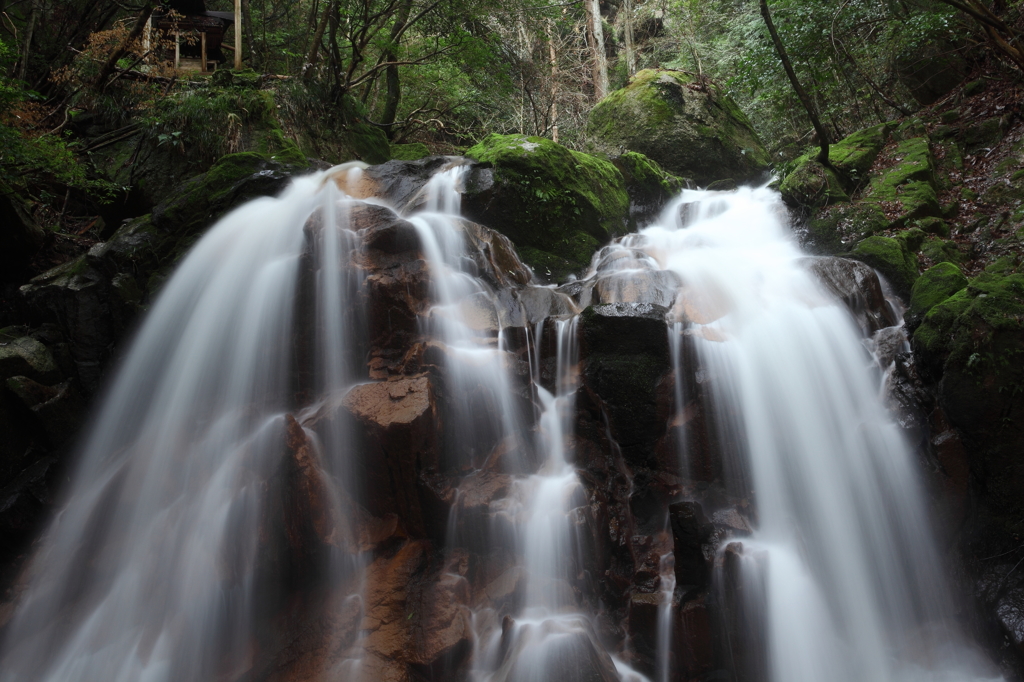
x: 625, y: 369
x: 857, y: 286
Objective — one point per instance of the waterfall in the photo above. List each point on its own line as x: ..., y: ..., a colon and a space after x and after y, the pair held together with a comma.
x: 219, y: 493
x: 842, y: 569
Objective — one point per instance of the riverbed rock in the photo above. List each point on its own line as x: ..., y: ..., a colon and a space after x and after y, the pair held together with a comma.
x: 690, y: 128
x: 857, y: 286
x: 555, y: 204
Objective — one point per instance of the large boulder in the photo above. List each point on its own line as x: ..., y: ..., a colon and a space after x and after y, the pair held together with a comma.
x: 692, y: 129
x: 807, y: 183
x: 556, y: 205
x: 974, y: 341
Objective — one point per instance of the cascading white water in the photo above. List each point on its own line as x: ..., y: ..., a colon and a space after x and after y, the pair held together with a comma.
x: 851, y: 580
x: 150, y: 572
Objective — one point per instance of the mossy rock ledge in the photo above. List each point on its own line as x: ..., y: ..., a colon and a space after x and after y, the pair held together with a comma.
x: 974, y: 341
x: 692, y: 130
x: 892, y: 258
x: 556, y: 205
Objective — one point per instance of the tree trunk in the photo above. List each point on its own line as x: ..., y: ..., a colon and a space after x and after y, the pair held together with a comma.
x: 26, y: 47
x: 394, y: 86
x: 627, y: 32
x: 133, y: 35
x: 553, y: 57
x: 314, y: 49
x: 596, y: 40
x: 247, y: 23
x: 823, y: 137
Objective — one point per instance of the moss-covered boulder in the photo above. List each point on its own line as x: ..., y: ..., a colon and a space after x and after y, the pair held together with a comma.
x: 812, y: 185
x: 649, y: 186
x: 907, y: 189
x: 234, y: 179
x: 940, y: 250
x: 934, y: 286
x: 185, y: 134
x: 891, y: 258
x: 691, y: 129
x: 974, y: 341
x: 834, y: 229
x: 556, y: 205
x: 807, y: 183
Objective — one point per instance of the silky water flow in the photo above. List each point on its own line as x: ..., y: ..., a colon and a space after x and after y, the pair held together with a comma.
x: 152, y: 570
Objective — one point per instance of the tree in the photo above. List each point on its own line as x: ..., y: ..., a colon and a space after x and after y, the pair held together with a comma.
x: 823, y: 138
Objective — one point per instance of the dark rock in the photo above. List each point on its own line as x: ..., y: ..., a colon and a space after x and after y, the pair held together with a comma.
x: 626, y: 329
x: 931, y: 71
x: 60, y: 409
x: 892, y: 258
x: 857, y: 286
x: 400, y: 182
x: 78, y: 298
x: 28, y: 357
x: 690, y: 531
x: 649, y: 187
x: 21, y: 236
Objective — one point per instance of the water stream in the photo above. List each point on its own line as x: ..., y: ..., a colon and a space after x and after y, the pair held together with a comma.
x: 156, y: 568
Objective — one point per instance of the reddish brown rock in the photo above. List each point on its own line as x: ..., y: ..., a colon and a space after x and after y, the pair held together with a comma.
x: 397, y: 434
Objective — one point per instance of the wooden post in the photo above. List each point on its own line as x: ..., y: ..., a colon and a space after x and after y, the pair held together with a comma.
x: 202, y: 51
x: 177, y: 49
x: 238, y: 35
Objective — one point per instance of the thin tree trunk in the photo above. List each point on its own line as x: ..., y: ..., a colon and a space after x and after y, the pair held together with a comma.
x: 627, y: 32
x: 600, y: 65
x: 26, y: 46
x: 133, y: 35
x: 823, y: 136
x: 553, y: 58
x: 247, y: 23
x: 314, y: 49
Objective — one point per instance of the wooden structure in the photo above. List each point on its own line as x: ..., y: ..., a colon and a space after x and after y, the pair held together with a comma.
x: 198, y: 34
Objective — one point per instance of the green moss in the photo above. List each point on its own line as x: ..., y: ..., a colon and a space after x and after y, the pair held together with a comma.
x: 853, y: 156
x: 940, y: 250
x: 547, y: 266
x: 912, y: 238
x: 834, y: 228
x: 642, y: 172
x: 549, y: 198
x: 934, y: 286
x: 890, y: 257
x: 965, y: 327
x: 936, y: 226
x: 368, y: 142
x: 409, y: 152
x: 909, y: 185
x: 812, y: 185
x: 696, y: 132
